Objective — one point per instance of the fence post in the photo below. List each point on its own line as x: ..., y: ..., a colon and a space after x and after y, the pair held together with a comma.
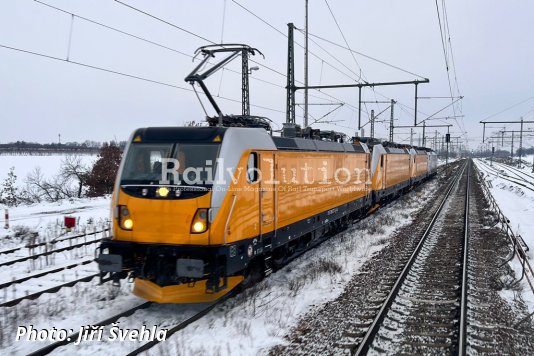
x: 6, y: 218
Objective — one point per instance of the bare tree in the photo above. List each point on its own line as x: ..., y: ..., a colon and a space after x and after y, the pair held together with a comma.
x: 72, y: 167
x: 38, y: 188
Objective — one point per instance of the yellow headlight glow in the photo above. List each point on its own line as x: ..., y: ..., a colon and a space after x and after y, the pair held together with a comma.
x: 163, y: 192
x: 200, y: 221
x: 127, y: 224
x: 199, y: 226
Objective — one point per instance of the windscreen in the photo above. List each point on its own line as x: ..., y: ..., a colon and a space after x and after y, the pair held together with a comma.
x: 185, y: 163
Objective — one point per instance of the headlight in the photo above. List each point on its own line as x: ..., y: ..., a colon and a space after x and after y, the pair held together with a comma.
x: 127, y: 224
x: 163, y: 192
x: 125, y: 221
x: 200, y: 222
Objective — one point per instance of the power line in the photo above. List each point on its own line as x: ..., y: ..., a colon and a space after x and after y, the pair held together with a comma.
x: 142, y: 39
x: 298, y: 44
x: 166, y: 22
x: 443, y: 30
x: 198, y: 36
x: 446, y: 20
x: 125, y: 75
x: 509, y: 108
x: 366, y: 56
x: 223, y: 20
x: 328, y: 53
x: 333, y: 57
x: 344, y: 39
x: 259, y: 18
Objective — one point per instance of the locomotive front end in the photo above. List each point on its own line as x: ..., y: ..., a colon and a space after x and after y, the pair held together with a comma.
x: 161, y: 214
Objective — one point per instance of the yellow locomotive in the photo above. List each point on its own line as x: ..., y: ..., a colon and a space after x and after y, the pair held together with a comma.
x: 197, y: 211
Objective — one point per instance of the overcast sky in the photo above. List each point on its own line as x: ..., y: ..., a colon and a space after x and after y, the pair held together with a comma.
x: 492, y: 44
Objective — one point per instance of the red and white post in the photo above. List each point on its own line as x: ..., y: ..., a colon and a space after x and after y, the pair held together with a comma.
x: 6, y: 218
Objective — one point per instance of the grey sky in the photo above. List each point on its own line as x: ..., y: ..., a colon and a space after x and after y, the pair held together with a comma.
x: 39, y: 97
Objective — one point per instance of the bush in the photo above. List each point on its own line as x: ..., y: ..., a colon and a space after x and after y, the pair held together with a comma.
x: 9, y: 190
x: 101, y: 179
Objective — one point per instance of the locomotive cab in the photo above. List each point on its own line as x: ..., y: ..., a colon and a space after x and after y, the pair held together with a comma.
x: 167, y: 229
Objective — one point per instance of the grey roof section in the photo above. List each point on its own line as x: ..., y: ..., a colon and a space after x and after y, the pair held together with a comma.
x: 302, y: 144
x: 395, y: 150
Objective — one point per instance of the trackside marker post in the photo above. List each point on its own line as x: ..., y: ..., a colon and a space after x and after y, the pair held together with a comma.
x: 6, y: 218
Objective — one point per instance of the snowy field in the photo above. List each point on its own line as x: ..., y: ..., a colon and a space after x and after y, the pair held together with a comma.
x: 513, y: 190
x: 49, y: 165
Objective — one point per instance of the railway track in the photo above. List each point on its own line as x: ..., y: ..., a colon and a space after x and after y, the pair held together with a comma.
x: 71, y: 338
x: 522, y: 182
x: 54, y: 289
x: 44, y: 273
x: 517, y: 172
x: 420, y: 305
x: 53, y: 242
x: 48, y: 253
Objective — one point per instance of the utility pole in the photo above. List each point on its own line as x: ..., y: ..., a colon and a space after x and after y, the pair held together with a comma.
x: 520, y: 144
x: 424, y: 127
x: 391, y: 122
x: 424, y: 135
x: 512, y: 147
x: 501, y: 122
x: 411, y: 136
x: 290, y: 87
x: 372, y: 124
x: 415, y: 112
x: 306, y: 69
x: 447, y: 140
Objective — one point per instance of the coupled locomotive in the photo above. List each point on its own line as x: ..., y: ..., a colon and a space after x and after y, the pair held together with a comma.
x: 197, y: 211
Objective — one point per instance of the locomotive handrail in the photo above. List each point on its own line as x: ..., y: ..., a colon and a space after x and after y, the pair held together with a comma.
x: 228, y: 218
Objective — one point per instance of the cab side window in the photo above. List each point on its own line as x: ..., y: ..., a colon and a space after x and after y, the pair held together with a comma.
x: 252, y: 168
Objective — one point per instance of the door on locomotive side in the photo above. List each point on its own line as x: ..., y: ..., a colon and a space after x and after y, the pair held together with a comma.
x: 267, y: 192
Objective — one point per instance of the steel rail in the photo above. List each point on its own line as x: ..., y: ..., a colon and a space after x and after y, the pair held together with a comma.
x: 516, y: 171
x: 506, y: 176
x: 74, y: 336
x: 44, y: 273
x: 373, y: 329
x: 462, y: 336
x: 48, y: 253
x: 183, y: 324
x: 54, y: 289
x: 14, y: 249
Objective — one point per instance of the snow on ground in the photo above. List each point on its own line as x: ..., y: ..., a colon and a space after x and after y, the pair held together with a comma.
x: 249, y: 323
x: 442, y: 161
x: 259, y: 319
x: 47, y: 218
x: 517, y: 204
x: 49, y: 165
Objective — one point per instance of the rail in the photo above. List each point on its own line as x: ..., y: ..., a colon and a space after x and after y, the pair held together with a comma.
x: 373, y: 329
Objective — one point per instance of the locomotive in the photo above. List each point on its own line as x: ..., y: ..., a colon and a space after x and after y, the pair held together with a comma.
x: 198, y: 211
